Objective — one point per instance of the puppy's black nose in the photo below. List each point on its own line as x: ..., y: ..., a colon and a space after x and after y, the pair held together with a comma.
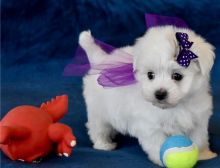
x: 161, y: 94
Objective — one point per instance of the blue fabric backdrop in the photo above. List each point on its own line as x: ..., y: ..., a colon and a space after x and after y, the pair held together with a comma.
x: 38, y: 38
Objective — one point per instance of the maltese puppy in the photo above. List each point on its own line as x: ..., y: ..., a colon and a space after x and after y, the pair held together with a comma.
x: 167, y: 99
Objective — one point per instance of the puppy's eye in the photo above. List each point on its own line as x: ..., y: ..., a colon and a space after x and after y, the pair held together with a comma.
x: 150, y: 75
x: 177, y: 76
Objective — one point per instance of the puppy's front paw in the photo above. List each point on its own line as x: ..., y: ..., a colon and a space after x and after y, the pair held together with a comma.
x: 207, y: 154
x: 86, y: 39
x: 156, y: 160
x: 100, y: 145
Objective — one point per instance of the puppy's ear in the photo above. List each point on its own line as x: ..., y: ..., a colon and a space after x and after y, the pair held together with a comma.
x: 206, y: 56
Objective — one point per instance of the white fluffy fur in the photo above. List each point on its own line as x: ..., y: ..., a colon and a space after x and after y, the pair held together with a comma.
x: 134, y: 110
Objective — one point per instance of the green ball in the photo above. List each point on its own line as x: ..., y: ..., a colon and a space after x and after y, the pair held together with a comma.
x: 179, y: 152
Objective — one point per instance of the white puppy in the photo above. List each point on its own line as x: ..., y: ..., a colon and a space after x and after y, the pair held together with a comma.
x: 167, y: 99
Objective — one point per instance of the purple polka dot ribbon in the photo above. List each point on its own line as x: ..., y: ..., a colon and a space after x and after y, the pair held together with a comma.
x: 185, y: 55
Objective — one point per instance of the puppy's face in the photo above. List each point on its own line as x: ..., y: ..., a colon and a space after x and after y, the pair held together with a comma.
x: 163, y: 81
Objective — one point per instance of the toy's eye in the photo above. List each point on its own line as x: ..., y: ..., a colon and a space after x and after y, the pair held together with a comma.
x: 150, y: 75
x: 177, y: 76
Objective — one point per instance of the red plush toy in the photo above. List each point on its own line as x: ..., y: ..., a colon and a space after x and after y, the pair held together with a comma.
x: 28, y: 133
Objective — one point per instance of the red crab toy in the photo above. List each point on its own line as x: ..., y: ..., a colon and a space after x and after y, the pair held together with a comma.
x: 28, y: 133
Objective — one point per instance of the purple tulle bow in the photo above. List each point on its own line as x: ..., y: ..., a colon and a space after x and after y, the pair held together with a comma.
x: 185, y: 55
x: 118, y: 70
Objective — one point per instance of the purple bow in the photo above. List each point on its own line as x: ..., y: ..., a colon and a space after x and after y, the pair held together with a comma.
x: 185, y: 55
x: 118, y: 72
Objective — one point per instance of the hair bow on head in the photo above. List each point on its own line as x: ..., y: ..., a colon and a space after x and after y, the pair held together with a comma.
x: 185, y: 55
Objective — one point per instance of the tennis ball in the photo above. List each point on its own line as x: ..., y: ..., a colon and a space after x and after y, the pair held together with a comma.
x: 179, y: 152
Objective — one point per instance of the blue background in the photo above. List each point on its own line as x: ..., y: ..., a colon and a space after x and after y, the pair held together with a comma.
x: 39, y: 37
